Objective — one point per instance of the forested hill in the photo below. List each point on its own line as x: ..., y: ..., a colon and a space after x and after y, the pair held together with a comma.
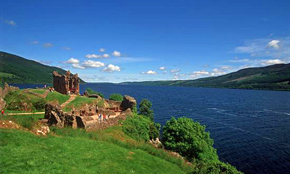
x: 274, y: 77
x: 18, y: 70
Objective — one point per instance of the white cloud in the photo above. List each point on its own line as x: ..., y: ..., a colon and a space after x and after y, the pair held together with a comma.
x: 203, y: 72
x: 150, y: 72
x: 237, y: 60
x: 111, y: 68
x: 47, y: 45
x: 102, y: 50
x: 226, y: 67
x: 89, y: 56
x: 217, y: 72
x: 10, y: 22
x: 34, y: 42
x: 92, y: 64
x: 106, y: 55
x: 72, y: 61
x: 271, y: 62
x: 116, y: 54
x: 66, y: 48
x: 78, y: 66
x: 175, y: 70
x: 162, y: 68
x: 274, y: 44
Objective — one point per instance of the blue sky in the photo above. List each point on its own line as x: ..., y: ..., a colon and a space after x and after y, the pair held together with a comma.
x: 116, y: 41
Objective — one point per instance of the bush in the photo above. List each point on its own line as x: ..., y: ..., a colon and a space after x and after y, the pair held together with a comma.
x: 144, y: 109
x: 91, y: 91
x: 137, y: 127
x: 40, y: 104
x: 116, y: 97
x: 218, y: 167
x: 154, y: 130
x: 189, y: 139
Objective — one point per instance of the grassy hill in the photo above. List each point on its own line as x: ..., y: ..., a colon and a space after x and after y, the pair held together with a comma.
x: 274, y: 77
x: 18, y: 70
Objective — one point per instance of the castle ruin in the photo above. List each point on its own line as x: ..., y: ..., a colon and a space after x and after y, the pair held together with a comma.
x: 66, y: 83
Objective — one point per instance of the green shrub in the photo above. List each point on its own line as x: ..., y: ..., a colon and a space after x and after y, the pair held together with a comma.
x: 218, y: 167
x: 145, y: 109
x: 116, y: 97
x: 137, y: 127
x: 189, y: 139
x: 40, y: 104
x: 91, y: 91
x: 154, y: 130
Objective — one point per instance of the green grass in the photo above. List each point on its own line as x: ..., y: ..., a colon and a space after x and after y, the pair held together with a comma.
x: 26, y: 121
x: 23, y: 152
x: 56, y: 96
x: 7, y: 75
x: 79, y: 101
x: 38, y: 91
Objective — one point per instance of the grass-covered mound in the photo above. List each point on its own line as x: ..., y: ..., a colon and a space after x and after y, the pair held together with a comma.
x: 24, y: 100
x: 76, y: 151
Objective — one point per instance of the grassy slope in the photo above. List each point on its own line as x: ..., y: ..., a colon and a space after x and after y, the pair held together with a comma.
x: 18, y: 70
x: 275, y: 77
x: 75, y: 153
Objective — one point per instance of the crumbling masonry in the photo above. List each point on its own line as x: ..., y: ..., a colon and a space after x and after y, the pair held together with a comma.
x: 66, y: 83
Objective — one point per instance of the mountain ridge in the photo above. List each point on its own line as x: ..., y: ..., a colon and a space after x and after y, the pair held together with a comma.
x: 19, y: 70
x: 273, y: 77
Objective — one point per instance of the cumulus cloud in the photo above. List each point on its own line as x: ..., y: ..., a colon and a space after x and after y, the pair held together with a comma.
x: 150, y: 72
x: 106, y: 55
x: 10, y: 22
x: 203, y: 72
x: 162, y: 68
x: 271, y: 62
x: 116, y: 53
x: 274, y: 44
x: 72, y: 61
x: 92, y: 64
x: 102, y: 50
x: 111, y: 68
x: 78, y: 66
x: 47, y: 45
x: 217, y: 72
x: 89, y: 56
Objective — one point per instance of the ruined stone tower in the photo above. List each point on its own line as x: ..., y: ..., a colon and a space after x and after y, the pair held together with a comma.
x: 66, y: 83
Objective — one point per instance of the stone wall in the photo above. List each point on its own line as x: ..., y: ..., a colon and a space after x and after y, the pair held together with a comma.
x: 66, y: 83
x: 87, y: 118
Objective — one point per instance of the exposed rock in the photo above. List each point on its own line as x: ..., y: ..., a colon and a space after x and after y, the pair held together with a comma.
x: 156, y: 142
x: 43, y: 130
x: 66, y: 83
x: 2, y: 104
x: 91, y: 95
x: 128, y: 102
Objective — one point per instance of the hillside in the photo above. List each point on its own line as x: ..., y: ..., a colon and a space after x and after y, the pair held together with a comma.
x: 274, y: 77
x: 18, y: 70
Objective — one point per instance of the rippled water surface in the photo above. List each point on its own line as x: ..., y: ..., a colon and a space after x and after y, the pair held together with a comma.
x: 250, y: 128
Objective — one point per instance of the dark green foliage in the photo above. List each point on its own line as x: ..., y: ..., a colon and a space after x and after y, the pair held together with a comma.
x: 22, y: 70
x: 218, y: 167
x: 91, y: 91
x: 137, y: 127
x: 274, y: 77
x: 39, y: 105
x: 116, y: 97
x: 154, y: 130
x: 189, y: 139
x: 145, y: 109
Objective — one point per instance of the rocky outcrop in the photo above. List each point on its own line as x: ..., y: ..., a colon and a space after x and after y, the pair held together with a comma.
x: 128, y: 102
x: 2, y: 104
x: 92, y: 95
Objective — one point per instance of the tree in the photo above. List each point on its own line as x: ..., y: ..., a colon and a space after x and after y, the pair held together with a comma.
x: 116, y: 97
x: 144, y: 109
x: 189, y: 139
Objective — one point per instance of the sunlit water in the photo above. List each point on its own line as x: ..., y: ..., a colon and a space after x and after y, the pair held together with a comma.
x: 250, y: 128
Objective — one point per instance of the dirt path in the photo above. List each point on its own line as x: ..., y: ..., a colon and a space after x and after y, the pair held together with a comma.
x: 37, y: 94
x: 72, y: 97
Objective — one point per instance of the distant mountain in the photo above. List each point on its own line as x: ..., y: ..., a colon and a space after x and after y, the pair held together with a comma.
x: 274, y: 77
x: 18, y: 70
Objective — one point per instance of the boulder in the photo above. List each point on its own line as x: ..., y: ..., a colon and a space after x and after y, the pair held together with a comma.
x: 128, y: 102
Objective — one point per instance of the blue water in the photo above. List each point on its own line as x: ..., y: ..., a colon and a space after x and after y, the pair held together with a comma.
x: 250, y: 128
